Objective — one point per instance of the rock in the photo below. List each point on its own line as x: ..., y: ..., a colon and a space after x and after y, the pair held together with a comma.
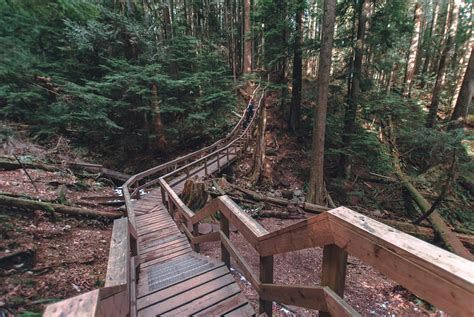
x: 67, y: 228
x: 298, y: 193
x: 288, y: 194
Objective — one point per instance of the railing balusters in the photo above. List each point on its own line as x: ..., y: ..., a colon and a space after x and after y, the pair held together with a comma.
x: 225, y: 255
x: 266, y: 276
x: 334, y: 270
x: 196, y: 233
x: 163, y: 198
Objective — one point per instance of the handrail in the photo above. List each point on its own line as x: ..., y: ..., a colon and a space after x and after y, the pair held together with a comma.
x: 440, y: 277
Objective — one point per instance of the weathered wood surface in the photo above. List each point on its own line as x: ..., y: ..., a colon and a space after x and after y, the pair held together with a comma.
x: 117, y: 268
x: 436, y: 275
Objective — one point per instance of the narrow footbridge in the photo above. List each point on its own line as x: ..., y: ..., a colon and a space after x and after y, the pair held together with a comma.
x: 155, y: 267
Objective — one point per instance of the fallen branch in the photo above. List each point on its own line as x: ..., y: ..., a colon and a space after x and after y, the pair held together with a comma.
x: 33, y: 205
x: 96, y: 168
x: 450, y: 240
x: 442, y: 194
x: 8, y: 163
x: 280, y: 201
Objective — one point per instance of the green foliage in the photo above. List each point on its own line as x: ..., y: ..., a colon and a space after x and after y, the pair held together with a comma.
x: 80, y: 69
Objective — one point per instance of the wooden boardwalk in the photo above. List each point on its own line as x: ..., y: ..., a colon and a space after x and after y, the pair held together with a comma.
x: 173, y: 279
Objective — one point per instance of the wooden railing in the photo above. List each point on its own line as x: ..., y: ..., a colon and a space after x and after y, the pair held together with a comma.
x: 440, y: 277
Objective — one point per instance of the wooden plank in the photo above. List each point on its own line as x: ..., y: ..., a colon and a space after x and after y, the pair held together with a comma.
x: 164, y: 245
x: 167, y: 257
x: 334, y: 268
x: 336, y: 306
x: 311, y: 297
x: 185, y: 297
x: 206, y: 301
x: 163, y: 225
x: 225, y: 231
x: 184, y: 285
x: 308, y: 233
x: 440, y: 277
x: 86, y: 304
x: 245, y: 310
x: 168, y: 246
x: 117, y: 268
x: 246, y: 269
x: 147, y: 257
x: 158, y: 232
x: 266, y: 276
x: 246, y: 225
x: 224, y: 307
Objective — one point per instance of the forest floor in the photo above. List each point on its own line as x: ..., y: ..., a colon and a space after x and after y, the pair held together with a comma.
x: 56, y: 257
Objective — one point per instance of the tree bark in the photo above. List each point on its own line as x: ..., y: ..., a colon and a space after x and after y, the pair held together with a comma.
x: 443, y: 62
x: 194, y: 194
x: 412, y: 53
x: 353, y: 100
x: 159, y: 141
x: 49, y: 207
x: 295, y: 104
x: 247, y: 39
x: 429, y: 50
x: 316, y: 182
x: 466, y: 93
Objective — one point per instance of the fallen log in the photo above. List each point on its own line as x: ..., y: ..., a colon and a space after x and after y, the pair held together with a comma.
x: 97, y: 168
x: 280, y: 201
x: 51, y: 207
x: 10, y: 163
x: 449, y: 238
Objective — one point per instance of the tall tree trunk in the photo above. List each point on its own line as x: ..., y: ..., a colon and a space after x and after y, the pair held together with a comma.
x: 159, y: 141
x: 247, y: 39
x: 166, y: 22
x: 429, y: 50
x: 316, y: 182
x: 353, y: 100
x: 443, y: 62
x: 295, y: 104
x: 466, y: 93
x: 412, y: 54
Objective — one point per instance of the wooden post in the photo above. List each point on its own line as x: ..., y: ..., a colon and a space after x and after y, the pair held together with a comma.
x: 163, y: 198
x: 333, y: 270
x: 187, y: 172
x: 196, y: 233
x: 228, y: 159
x: 205, y: 166
x: 171, y: 209
x: 218, y: 161
x: 266, y: 276
x: 225, y: 256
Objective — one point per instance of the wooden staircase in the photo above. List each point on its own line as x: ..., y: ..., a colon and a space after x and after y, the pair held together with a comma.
x: 155, y: 268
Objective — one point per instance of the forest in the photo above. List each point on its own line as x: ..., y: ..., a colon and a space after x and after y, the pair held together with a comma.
x: 358, y: 103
